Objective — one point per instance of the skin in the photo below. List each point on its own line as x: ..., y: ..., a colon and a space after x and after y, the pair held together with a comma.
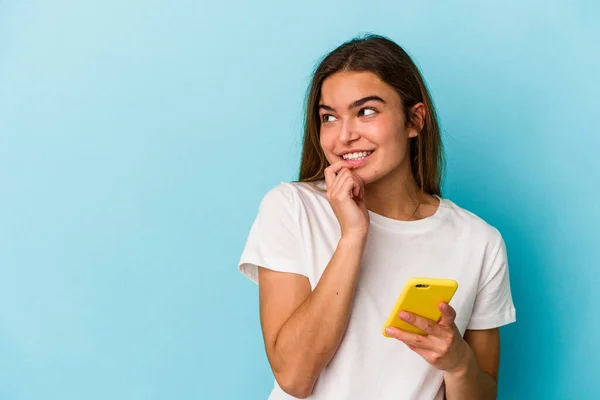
x: 302, y: 328
x: 390, y: 188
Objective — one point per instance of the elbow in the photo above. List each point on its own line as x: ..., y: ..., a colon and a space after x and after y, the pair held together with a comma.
x: 294, y: 385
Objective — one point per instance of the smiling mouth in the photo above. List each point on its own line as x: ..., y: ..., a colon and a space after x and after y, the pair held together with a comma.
x: 357, y: 156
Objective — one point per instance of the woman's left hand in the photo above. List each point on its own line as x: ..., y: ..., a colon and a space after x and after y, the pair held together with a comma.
x: 443, y: 346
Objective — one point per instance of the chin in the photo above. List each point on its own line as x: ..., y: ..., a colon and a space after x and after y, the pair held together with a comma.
x: 365, y: 175
x: 371, y: 176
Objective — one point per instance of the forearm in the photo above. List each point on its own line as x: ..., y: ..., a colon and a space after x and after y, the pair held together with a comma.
x: 470, y: 382
x: 309, y: 338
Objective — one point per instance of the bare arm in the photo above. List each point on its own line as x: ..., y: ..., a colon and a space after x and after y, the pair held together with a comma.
x: 478, y: 378
x: 302, y: 329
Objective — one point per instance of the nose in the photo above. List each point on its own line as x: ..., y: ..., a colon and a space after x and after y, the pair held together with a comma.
x: 348, y: 132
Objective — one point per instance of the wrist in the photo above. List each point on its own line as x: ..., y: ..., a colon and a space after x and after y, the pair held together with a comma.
x: 353, y: 241
x: 465, y: 366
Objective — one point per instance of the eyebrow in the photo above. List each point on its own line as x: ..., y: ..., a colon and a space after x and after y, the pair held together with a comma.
x: 357, y: 103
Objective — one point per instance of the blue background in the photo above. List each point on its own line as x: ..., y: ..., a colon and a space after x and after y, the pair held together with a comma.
x: 138, y: 137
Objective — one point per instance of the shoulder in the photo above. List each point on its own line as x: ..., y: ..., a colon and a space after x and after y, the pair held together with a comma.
x: 472, y: 225
x: 296, y: 192
x: 294, y: 195
x: 283, y: 192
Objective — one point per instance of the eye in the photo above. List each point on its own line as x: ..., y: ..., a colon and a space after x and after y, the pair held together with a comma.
x: 327, y: 118
x: 367, y: 111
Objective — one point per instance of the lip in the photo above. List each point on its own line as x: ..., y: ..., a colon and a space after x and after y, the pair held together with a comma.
x: 353, y: 151
x: 358, y: 163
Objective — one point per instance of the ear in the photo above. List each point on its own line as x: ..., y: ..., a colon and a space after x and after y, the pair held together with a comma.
x: 416, y: 121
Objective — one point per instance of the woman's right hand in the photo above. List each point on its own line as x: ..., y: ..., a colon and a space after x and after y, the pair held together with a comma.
x: 345, y: 193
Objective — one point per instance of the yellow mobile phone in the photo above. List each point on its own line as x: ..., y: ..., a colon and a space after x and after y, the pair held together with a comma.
x: 421, y: 296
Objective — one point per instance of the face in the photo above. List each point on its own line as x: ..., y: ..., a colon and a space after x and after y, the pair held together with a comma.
x: 361, y: 113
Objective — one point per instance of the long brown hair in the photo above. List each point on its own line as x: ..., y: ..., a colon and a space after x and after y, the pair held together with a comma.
x: 387, y: 60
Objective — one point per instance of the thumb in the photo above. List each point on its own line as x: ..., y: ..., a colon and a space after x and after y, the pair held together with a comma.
x: 448, y: 314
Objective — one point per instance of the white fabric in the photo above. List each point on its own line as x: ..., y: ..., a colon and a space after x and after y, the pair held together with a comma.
x: 296, y: 231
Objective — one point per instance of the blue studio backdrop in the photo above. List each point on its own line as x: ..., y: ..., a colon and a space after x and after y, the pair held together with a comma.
x: 137, y: 139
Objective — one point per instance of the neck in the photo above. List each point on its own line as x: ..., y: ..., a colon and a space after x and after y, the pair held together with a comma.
x: 398, y: 196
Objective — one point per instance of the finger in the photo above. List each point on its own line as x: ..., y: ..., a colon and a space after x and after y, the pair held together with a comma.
x: 362, y: 186
x: 332, y: 171
x: 425, y: 324
x: 338, y: 181
x: 358, y: 188
x: 448, y: 314
x: 347, y: 184
x: 426, y: 354
x: 412, y: 339
x: 328, y: 178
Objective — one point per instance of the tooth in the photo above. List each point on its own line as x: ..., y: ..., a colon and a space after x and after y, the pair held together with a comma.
x: 356, y: 156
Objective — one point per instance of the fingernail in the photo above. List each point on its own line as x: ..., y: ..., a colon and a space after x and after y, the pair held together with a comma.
x: 389, y: 331
x: 403, y: 314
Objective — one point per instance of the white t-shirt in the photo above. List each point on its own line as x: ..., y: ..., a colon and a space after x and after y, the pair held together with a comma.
x: 296, y: 231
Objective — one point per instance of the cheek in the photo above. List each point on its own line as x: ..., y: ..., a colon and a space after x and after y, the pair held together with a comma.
x: 390, y: 138
x: 382, y: 131
x: 327, y: 142
x: 327, y: 139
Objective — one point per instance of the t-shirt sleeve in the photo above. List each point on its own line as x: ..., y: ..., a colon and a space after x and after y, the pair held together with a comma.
x: 274, y: 241
x: 493, y: 304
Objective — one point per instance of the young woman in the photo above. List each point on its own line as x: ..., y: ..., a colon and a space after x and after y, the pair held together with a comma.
x: 332, y: 252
